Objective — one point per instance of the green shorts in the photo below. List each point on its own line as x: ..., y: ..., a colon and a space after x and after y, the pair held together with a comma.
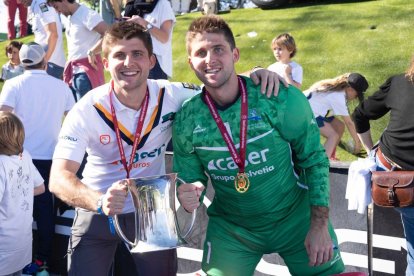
x: 230, y: 249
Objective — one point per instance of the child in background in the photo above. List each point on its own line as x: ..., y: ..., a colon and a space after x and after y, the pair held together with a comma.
x: 284, y: 49
x: 13, y: 67
x: 19, y: 182
x: 328, y: 98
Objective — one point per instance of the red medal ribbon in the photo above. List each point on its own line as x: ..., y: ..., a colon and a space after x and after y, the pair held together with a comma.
x: 137, y: 136
x: 239, y: 158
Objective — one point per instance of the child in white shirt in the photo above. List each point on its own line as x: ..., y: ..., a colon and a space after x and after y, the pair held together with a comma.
x: 284, y: 49
x: 19, y: 182
x: 13, y: 67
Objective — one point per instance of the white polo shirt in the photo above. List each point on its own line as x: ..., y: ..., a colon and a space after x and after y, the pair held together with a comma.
x: 40, y: 101
x: 89, y: 127
x: 40, y: 15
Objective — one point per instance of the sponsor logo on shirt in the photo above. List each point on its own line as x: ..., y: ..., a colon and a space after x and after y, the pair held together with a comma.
x: 253, y: 116
x: 199, y: 129
x: 250, y: 174
x: 105, y: 139
x: 224, y: 164
x: 166, y: 127
x: 142, y: 155
x: 43, y: 7
x: 253, y: 158
x: 69, y: 138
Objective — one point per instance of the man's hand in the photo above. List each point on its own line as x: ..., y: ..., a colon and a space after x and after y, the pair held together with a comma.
x: 318, y: 242
x: 189, y: 195
x: 269, y: 81
x: 114, y: 199
x: 6, y: 2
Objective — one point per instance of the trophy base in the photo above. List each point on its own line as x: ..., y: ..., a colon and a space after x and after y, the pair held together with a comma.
x: 143, y: 247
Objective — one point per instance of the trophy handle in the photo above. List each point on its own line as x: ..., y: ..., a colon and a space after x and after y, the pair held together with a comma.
x: 119, y: 230
x: 193, y: 217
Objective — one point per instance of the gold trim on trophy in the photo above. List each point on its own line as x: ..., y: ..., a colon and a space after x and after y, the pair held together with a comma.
x: 242, y: 182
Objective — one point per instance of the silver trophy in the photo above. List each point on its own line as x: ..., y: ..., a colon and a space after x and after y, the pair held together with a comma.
x: 156, y: 224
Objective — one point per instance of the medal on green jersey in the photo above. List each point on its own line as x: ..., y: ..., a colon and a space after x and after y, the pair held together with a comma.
x: 241, y: 182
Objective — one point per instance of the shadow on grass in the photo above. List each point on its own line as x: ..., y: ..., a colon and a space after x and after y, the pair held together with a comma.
x: 305, y: 3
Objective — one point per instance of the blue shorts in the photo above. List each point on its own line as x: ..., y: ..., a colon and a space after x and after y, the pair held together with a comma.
x: 321, y: 120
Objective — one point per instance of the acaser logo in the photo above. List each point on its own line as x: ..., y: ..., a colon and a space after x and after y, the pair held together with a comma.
x: 222, y: 164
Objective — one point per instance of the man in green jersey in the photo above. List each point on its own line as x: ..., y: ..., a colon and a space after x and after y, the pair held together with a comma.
x: 265, y: 162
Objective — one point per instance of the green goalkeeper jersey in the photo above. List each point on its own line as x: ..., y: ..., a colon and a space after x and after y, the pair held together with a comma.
x: 284, y: 157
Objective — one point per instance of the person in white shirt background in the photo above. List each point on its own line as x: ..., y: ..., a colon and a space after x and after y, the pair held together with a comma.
x: 284, y: 49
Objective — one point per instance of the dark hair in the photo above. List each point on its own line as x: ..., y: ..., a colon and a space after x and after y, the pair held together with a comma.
x: 40, y: 65
x: 209, y: 24
x: 69, y: 1
x: 12, y: 134
x: 13, y: 44
x: 125, y: 30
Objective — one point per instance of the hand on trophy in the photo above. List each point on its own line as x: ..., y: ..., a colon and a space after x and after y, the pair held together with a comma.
x: 114, y: 199
x: 189, y: 195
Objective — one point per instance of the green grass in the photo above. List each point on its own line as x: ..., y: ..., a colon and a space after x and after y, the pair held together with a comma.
x: 333, y: 37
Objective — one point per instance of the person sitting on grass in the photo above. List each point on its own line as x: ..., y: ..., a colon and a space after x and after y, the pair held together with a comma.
x: 328, y: 99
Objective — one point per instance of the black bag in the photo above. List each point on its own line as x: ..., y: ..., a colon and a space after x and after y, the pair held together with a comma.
x: 139, y: 7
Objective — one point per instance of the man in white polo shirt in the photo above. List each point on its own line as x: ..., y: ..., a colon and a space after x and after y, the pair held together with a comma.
x: 47, y: 30
x: 40, y: 101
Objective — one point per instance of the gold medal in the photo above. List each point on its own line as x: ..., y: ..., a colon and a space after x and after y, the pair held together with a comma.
x: 242, y: 182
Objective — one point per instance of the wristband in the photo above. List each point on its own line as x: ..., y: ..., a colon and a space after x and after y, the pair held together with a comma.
x: 99, y: 209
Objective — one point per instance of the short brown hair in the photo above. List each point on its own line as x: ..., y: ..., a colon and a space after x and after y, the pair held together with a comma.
x: 286, y: 40
x: 209, y: 24
x: 13, y: 44
x: 125, y: 30
x: 12, y: 134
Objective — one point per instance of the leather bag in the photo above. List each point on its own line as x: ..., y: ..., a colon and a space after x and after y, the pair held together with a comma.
x: 393, y: 188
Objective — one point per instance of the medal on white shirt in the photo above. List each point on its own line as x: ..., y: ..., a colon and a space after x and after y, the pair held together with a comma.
x: 138, y: 130
x: 241, y: 182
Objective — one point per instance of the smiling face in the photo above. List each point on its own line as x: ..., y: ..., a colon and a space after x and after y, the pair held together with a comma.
x: 212, y: 59
x: 129, y: 63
